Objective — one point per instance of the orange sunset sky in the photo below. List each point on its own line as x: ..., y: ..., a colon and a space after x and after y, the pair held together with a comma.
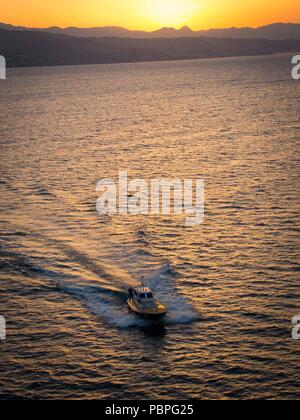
x: 149, y: 14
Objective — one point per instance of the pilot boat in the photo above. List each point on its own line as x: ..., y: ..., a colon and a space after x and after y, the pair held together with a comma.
x: 142, y: 302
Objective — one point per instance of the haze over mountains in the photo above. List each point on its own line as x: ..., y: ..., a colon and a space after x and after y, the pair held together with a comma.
x: 276, y: 31
x: 36, y: 48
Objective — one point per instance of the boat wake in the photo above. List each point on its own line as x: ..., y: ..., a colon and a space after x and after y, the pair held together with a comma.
x: 109, y: 302
x: 101, y: 287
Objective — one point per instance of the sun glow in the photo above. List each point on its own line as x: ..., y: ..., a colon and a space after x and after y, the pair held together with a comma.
x: 169, y: 12
x: 149, y: 14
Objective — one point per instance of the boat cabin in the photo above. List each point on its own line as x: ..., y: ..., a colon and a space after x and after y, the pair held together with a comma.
x: 143, y: 294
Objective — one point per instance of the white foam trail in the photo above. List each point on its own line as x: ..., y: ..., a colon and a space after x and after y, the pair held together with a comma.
x: 109, y: 303
x: 114, y: 313
x: 180, y: 311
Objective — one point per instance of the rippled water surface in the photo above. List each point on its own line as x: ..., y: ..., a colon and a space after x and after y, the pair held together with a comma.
x: 231, y: 284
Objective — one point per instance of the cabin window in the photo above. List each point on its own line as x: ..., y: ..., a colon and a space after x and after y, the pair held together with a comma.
x: 142, y: 296
x: 150, y: 296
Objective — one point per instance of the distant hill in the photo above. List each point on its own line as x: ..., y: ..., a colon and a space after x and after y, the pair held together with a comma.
x: 32, y: 48
x: 275, y: 31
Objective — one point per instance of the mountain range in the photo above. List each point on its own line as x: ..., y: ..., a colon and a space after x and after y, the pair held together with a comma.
x: 276, y: 31
x: 38, y: 48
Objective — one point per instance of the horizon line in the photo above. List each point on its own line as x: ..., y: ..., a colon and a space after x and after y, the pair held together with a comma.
x: 153, y: 30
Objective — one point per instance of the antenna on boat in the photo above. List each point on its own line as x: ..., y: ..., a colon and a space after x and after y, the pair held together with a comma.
x: 143, y: 281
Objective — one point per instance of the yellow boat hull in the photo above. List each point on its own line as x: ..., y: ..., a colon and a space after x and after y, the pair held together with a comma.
x: 160, y: 311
